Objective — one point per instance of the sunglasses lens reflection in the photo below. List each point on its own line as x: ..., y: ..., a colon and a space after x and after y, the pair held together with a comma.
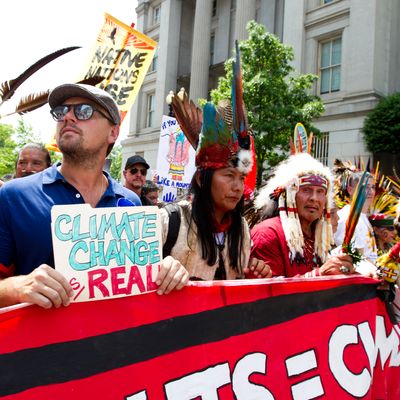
x: 142, y: 171
x: 82, y: 112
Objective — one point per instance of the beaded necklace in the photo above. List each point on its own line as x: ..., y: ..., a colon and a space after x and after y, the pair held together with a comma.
x: 309, y: 256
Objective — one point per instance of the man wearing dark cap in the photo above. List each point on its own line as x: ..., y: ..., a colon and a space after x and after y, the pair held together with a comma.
x: 88, y: 123
x: 135, y: 176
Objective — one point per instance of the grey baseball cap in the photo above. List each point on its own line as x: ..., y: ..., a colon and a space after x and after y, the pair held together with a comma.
x: 63, y: 92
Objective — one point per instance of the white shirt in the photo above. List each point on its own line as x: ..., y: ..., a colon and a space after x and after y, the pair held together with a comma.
x: 363, y: 236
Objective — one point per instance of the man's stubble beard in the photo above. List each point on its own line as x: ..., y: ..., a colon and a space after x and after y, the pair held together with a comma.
x: 76, y: 152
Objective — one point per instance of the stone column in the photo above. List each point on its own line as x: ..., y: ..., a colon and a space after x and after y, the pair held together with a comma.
x: 293, y: 30
x: 168, y: 54
x: 201, y: 50
x: 142, y: 13
x: 245, y: 12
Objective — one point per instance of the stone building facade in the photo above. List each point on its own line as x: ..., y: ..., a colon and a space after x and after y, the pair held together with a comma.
x: 353, y: 45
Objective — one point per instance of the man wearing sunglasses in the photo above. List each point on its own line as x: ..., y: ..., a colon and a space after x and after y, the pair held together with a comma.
x: 135, y: 176
x: 88, y: 122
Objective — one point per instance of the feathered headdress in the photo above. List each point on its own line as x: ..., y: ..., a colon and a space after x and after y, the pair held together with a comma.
x: 219, y: 134
x: 279, y: 195
x: 383, y: 209
x: 389, y: 263
x: 343, y: 170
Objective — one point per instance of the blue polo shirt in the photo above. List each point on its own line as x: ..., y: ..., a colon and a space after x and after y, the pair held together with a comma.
x: 25, y: 215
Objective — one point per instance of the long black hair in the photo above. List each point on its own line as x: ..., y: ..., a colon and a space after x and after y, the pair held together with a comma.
x: 202, y: 215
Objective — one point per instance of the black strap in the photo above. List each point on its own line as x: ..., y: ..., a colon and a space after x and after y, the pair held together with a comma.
x: 174, y: 224
x: 220, y: 273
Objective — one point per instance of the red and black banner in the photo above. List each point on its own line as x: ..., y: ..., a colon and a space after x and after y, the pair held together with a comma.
x: 260, y: 339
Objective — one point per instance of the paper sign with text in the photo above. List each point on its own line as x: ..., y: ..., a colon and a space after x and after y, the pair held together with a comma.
x: 176, y: 157
x: 107, y: 252
x: 121, y: 55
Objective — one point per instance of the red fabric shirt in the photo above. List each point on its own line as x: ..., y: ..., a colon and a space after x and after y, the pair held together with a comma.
x: 269, y: 245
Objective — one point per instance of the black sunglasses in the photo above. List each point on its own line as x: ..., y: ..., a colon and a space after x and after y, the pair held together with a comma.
x: 82, y: 112
x: 134, y: 171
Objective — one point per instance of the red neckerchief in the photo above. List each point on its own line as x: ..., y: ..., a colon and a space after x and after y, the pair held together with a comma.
x: 224, y: 225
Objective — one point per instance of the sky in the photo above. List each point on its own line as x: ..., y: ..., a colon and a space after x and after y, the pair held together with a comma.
x: 30, y: 30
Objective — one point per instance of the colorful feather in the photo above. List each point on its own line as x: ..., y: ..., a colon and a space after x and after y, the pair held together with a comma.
x: 292, y: 148
x: 189, y: 117
x: 8, y: 88
x: 216, y: 146
x: 30, y: 103
x: 356, y: 206
x: 224, y: 139
x: 309, y: 146
x: 34, y: 101
x: 240, y: 127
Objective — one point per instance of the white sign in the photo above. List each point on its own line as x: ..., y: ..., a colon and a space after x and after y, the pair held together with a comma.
x: 107, y: 252
x: 176, y: 156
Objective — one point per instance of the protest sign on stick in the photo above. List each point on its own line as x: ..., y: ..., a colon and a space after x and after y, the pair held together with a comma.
x: 122, y: 55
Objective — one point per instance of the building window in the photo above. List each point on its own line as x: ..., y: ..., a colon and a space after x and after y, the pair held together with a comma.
x: 153, y: 65
x: 327, y: 1
x: 233, y: 5
x: 321, y: 148
x: 331, y: 58
x: 212, y: 48
x: 214, y: 8
x: 150, y: 110
x: 156, y: 15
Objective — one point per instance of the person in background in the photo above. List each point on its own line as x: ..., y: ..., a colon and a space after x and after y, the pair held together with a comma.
x: 295, y: 236
x: 135, y: 173
x: 334, y: 217
x: 150, y: 191
x: 88, y: 124
x: 384, y: 231
x: 364, y: 239
x: 388, y: 264
x: 212, y: 238
x: 32, y: 158
x: 382, y: 215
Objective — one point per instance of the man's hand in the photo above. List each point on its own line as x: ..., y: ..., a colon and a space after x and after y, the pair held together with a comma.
x: 257, y: 269
x: 44, y: 286
x: 172, y: 276
x: 338, y: 265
